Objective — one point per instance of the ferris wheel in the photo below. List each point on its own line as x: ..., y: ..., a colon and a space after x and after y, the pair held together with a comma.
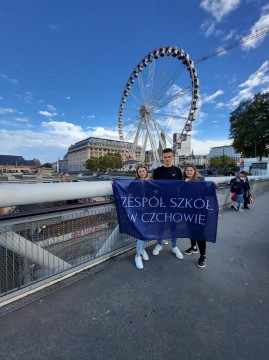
x: 158, y: 100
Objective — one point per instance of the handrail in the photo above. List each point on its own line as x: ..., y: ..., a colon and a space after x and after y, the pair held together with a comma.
x: 24, y: 194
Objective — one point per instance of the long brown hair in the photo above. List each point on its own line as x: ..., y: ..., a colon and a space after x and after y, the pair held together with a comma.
x: 196, y: 175
x: 141, y: 166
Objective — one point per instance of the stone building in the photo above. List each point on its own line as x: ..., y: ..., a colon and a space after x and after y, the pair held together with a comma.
x: 83, y: 150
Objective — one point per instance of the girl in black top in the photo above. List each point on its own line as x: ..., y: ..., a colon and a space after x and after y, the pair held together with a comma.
x: 191, y: 173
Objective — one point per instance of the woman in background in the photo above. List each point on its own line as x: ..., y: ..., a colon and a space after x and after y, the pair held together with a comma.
x: 238, y: 183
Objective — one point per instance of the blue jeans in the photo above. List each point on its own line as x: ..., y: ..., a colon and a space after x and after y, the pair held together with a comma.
x: 173, y: 241
x: 140, y: 245
x: 240, y: 198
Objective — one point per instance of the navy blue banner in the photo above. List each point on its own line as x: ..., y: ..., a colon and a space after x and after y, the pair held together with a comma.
x: 164, y: 209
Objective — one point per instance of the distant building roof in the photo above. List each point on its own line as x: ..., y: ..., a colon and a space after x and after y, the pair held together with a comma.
x: 10, y: 160
x: 100, y: 141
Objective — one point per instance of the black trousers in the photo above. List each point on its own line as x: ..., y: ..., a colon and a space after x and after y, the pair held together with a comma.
x: 201, y: 245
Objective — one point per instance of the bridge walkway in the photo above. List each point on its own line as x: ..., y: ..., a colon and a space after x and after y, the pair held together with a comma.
x: 170, y: 310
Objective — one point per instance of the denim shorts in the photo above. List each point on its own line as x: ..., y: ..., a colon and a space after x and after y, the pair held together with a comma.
x: 240, y: 198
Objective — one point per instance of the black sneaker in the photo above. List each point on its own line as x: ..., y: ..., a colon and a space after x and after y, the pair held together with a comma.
x: 191, y: 250
x: 202, y: 261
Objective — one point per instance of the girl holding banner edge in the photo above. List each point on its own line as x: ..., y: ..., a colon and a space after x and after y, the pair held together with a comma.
x: 191, y: 173
x: 141, y: 174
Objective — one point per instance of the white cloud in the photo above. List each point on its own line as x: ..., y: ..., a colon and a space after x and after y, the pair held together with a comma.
x: 4, y: 111
x: 47, y: 113
x: 219, y: 8
x: 51, y: 108
x: 200, y: 147
x: 258, y: 81
x: 211, y: 98
x: 19, y: 119
x: 52, y: 142
x: 208, y: 28
x: 26, y: 97
x: 263, y: 22
x: 220, y: 105
x: 10, y: 80
x: 106, y: 133
x: 229, y: 36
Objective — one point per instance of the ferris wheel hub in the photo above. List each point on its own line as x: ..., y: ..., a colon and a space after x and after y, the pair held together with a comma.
x: 144, y: 110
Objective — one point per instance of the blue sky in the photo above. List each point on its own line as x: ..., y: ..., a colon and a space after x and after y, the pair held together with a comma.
x: 64, y: 66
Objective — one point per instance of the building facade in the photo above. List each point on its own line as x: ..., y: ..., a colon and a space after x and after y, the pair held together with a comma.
x: 83, y: 150
x: 227, y: 150
x: 17, y: 164
x: 197, y: 160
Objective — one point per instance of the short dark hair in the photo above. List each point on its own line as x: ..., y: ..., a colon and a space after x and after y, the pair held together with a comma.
x: 167, y: 150
x: 243, y: 172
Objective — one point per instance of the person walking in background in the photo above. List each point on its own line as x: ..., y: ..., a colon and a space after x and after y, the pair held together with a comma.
x: 246, y: 188
x: 238, y: 183
x: 141, y: 174
x: 63, y: 177
x: 167, y: 172
x: 191, y: 173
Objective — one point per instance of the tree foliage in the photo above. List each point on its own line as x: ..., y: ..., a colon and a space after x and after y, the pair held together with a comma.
x: 249, y: 126
x: 108, y: 161
x: 222, y: 161
x: 47, y: 165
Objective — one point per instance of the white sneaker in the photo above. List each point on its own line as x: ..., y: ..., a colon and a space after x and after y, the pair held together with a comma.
x: 176, y: 251
x: 145, y: 255
x: 157, y: 249
x: 138, y: 262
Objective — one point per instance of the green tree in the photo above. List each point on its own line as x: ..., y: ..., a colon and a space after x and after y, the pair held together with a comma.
x: 222, y: 161
x: 92, y: 163
x: 47, y: 165
x: 111, y: 161
x: 249, y: 126
x: 108, y: 161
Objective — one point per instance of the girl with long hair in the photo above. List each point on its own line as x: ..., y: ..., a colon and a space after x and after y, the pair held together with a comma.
x: 191, y: 173
x: 141, y: 174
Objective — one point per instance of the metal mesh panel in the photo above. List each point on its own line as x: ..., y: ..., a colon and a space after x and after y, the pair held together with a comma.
x: 38, y: 247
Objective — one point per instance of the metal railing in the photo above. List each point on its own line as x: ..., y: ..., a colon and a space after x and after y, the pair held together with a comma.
x: 39, y: 249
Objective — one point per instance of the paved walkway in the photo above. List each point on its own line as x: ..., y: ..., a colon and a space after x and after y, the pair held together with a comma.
x: 171, y: 310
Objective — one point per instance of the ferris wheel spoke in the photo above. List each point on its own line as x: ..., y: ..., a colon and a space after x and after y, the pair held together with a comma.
x: 152, y: 141
x: 138, y: 102
x: 175, y: 96
x: 170, y: 116
x: 167, y: 86
x: 130, y: 133
x: 161, y: 130
x: 142, y: 88
x: 150, y: 83
x: 133, y: 121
